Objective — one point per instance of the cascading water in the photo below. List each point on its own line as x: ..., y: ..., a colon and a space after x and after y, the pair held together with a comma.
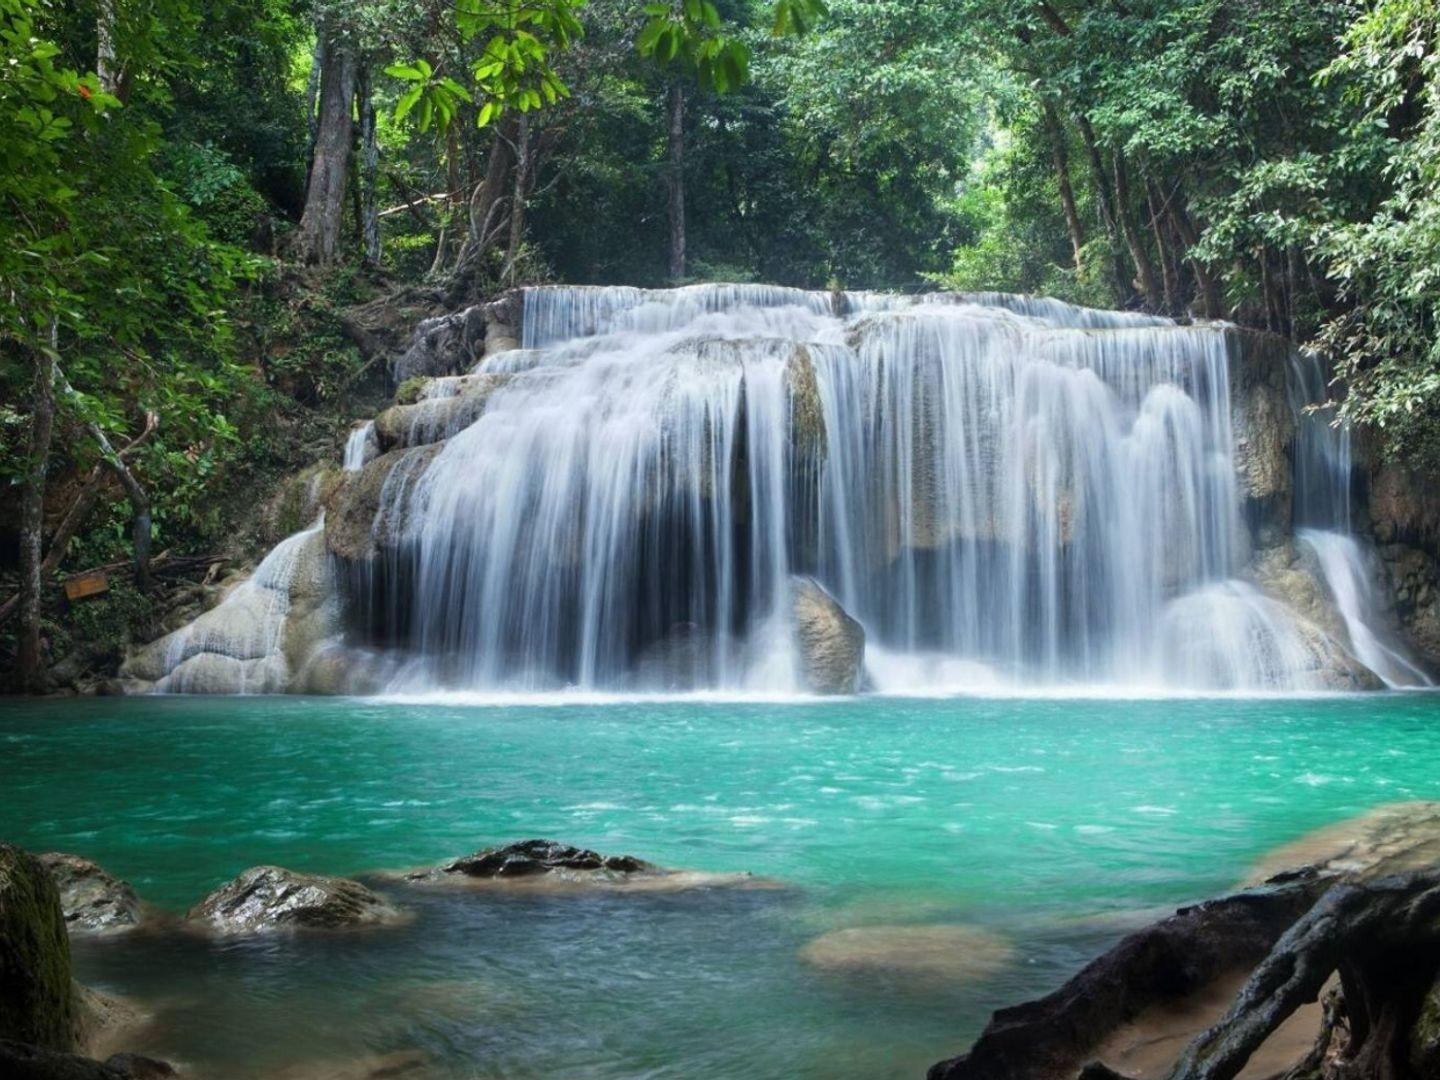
x: 989, y: 483
x: 1350, y: 576
x: 1324, y: 463
x: 360, y: 447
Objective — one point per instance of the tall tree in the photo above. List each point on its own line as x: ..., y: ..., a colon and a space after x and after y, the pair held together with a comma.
x: 318, y: 238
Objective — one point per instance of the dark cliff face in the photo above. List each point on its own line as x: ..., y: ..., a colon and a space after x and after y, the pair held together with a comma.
x: 1404, y: 513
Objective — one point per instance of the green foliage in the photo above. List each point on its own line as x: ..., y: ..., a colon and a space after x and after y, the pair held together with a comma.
x: 513, y: 72
x: 117, y: 617
x: 1387, y: 265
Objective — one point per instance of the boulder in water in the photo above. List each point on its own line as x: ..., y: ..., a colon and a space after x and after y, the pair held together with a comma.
x: 549, y: 864
x: 93, y: 901
x: 830, y: 644
x: 266, y: 898
x: 530, y: 858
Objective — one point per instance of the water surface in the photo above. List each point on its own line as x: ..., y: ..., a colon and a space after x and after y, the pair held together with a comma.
x: 1055, y: 824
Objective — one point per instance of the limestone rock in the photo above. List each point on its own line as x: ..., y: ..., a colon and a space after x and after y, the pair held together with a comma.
x: 1405, y: 508
x: 258, y: 636
x: 37, y: 1004
x: 433, y: 419
x: 266, y: 898
x: 1264, y: 430
x: 91, y: 898
x: 1290, y: 574
x: 355, y: 527
x: 299, y: 500
x: 443, y: 345
x: 830, y: 644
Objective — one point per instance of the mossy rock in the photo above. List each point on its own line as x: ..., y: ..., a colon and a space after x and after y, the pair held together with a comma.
x: 409, y: 391
x: 354, y: 526
x: 37, y: 1004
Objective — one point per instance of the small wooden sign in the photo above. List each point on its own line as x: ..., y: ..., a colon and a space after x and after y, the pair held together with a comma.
x: 83, y: 585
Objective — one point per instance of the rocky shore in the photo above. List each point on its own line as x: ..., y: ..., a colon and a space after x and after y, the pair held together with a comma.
x: 1323, y: 965
x: 1326, y: 968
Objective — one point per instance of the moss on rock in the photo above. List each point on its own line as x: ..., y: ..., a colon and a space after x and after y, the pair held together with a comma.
x: 37, y: 1003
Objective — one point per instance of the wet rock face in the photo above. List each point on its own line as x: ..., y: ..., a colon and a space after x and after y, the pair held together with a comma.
x: 93, y: 901
x: 444, y: 345
x: 272, y: 898
x: 830, y: 644
x: 1290, y: 573
x: 530, y: 858
x: 1263, y: 427
x: 1413, y: 577
x: 355, y: 528
x: 37, y: 1004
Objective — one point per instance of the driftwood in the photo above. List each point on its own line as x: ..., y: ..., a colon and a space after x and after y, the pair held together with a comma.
x: 1383, y: 938
x: 1380, y: 936
x: 1166, y: 962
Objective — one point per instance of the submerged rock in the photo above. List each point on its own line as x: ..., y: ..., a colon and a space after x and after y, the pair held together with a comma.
x: 830, y: 644
x: 273, y: 898
x: 93, y: 901
x: 930, y: 953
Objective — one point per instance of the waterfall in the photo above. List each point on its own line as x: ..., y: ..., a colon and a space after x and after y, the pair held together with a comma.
x: 360, y: 447
x: 247, y: 643
x: 1000, y: 488
x: 1350, y: 574
x: 1324, y: 460
x: 1324, y: 463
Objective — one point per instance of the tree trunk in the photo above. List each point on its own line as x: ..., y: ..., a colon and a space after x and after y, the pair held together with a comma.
x: 520, y: 193
x: 106, y: 67
x: 312, y: 93
x: 487, y: 215
x: 1106, y: 203
x: 29, y: 667
x: 1169, y: 278
x: 1139, y: 255
x: 369, y: 172
x: 1211, y: 305
x: 318, y: 238
x: 677, y: 181
x: 1060, y: 156
x: 140, y: 526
